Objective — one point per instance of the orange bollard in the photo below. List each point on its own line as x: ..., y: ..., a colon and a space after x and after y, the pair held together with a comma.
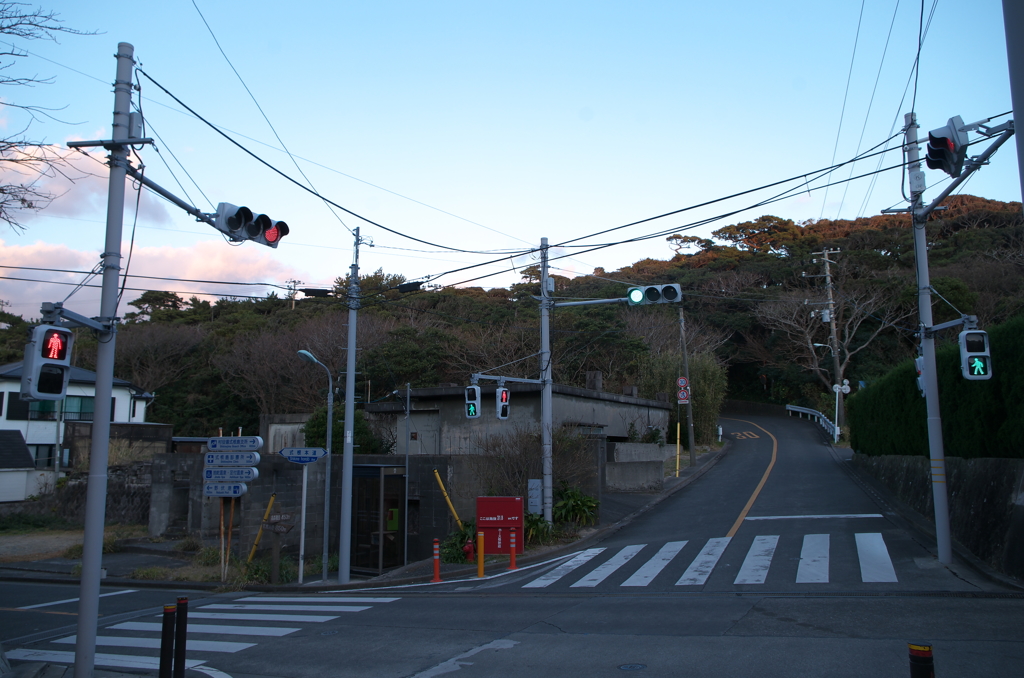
x: 437, y: 562
x: 480, y: 554
x: 921, y: 662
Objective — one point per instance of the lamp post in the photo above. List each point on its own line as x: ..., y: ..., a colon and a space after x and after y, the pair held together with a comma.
x: 310, y: 358
x: 837, y: 388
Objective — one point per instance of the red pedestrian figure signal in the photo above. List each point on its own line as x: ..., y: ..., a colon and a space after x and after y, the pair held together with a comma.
x: 501, y: 398
x: 56, y: 345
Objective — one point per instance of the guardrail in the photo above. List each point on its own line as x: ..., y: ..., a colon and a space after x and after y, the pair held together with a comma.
x: 819, y: 418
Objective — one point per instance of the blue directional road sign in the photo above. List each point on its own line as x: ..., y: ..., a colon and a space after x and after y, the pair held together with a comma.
x: 220, y: 474
x: 224, y: 489
x: 232, y: 458
x: 303, y: 455
x: 224, y: 444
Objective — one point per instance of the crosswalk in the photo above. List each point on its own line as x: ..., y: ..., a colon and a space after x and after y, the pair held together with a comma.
x: 813, y: 566
x: 212, y: 628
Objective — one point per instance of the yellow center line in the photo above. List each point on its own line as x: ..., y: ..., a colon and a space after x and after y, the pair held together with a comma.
x: 20, y: 609
x: 764, y: 478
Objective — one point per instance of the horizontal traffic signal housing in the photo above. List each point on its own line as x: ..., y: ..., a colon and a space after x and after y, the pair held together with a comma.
x: 240, y: 223
x: 654, y: 294
x: 472, y: 402
x: 975, y: 360
x: 947, y: 147
x: 46, y: 369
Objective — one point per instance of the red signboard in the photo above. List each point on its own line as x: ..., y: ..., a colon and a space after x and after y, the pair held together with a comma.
x: 497, y: 516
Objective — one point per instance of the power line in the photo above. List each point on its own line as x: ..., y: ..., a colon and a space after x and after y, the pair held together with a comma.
x: 300, y: 185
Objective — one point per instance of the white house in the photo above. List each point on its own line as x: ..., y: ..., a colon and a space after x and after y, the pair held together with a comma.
x: 41, y: 425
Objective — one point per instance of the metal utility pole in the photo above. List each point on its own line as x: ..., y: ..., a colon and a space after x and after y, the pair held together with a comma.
x: 545, y: 377
x: 1013, y: 24
x: 96, y: 493
x: 689, y: 401
x: 929, y: 376
x: 345, y: 533
x: 833, y: 337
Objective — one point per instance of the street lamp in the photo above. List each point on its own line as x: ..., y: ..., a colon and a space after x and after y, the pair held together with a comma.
x: 310, y: 358
x: 837, y: 388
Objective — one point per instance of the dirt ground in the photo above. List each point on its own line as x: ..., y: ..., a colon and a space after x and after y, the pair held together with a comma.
x: 37, y: 545
x: 52, y: 543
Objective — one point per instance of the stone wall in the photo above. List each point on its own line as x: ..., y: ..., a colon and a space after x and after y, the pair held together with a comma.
x: 128, y: 497
x: 986, y: 501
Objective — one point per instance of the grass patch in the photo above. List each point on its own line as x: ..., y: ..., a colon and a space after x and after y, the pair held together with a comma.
x: 20, y: 523
x: 151, y: 573
x: 191, y: 542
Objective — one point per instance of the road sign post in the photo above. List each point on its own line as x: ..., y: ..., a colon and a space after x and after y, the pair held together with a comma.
x: 304, y: 456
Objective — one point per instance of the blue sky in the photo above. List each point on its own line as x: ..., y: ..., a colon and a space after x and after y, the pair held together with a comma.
x: 485, y: 127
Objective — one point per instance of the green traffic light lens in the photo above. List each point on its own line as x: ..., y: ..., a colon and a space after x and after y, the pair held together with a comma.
x: 636, y: 296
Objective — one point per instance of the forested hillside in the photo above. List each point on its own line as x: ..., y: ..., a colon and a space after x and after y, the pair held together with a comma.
x: 225, y: 363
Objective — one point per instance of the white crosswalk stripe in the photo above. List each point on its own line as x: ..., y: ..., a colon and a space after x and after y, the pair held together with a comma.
x: 562, y: 570
x: 813, y: 566
x: 615, y: 562
x: 653, y: 567
x: 700, y: 569
x: 754, y: 569
x: 143, y: 636
x: 875, y: 564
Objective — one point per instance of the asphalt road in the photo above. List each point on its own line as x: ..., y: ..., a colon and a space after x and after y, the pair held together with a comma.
x: 779, y: 599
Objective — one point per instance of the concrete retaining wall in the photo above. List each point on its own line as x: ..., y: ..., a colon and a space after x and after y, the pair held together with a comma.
x: 634, y: 476
x: 639, y: 451
x: 986, y: 501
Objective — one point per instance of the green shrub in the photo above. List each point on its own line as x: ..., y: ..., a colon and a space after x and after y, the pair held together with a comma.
x: 573, y: 506
x: 208, y: 555
x: 979, y: 418
x: 451, y: 547
x: 538, y: 530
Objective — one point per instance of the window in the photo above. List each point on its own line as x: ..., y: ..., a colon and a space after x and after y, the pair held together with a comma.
x: 78, y: 408
x: 43, y: 410
x: 17, y: 409
x: 43, y: 455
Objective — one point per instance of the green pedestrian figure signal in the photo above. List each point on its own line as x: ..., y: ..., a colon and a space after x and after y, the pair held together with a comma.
x: 975, y: 361
x: 472, y: 402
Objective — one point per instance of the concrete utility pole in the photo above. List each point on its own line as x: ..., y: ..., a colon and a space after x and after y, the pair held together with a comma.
x: 1013, y: 24
x: 931, y: 383
x: 545, y: 377
x: 833, y: 336
x: 345, y: 533
x: 689, y: 402
x: 96, y: 493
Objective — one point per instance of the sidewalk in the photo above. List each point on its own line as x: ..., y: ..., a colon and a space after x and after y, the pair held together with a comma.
x: 617, y: 509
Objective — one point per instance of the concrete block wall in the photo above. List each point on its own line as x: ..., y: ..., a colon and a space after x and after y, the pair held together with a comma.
x: 634, y: 476
x: 986, y: 501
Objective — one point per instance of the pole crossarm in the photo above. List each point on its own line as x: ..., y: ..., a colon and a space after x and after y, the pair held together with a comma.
x: 54, y: 312
x: 109, y: 144
x: 157, y: 188
x: 475, y: 377
x: 589, y: 302
x: 969, y: 322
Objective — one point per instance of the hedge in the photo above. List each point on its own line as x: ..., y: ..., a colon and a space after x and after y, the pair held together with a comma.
x: 979, y: 418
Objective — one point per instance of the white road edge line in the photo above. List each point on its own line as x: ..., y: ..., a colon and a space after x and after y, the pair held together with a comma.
x: 456, y: 663
x: 503, y: 573
x: 75, y: 600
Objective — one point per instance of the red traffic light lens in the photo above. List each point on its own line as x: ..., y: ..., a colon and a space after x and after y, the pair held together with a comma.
x: 55, y: 345
x: 504, y: 395
x: 272, y: 234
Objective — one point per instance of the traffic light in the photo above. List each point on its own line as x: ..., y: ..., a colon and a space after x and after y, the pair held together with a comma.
x: 501, y: 400
x: 947, y: 147
x: 472, y: 402
x: 975, y: 361
x: 654, y: 294
x: 239, y: 223
x: 46, y: 369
